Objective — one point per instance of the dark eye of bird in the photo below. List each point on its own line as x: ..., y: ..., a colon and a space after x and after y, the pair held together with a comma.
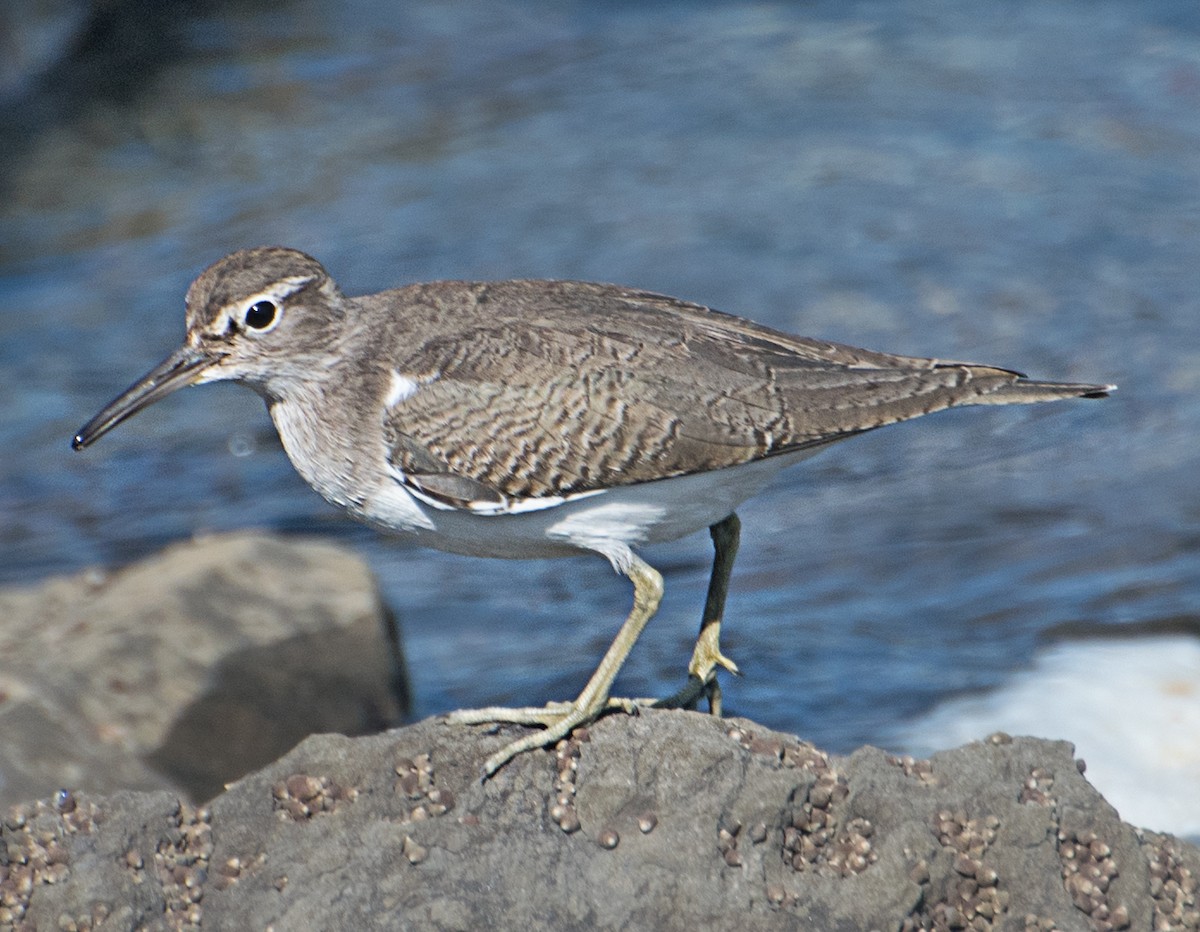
x: 261, y: 314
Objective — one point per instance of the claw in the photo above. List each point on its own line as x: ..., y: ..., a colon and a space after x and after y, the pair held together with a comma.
x: 707, y: 656
x: 557, y: 719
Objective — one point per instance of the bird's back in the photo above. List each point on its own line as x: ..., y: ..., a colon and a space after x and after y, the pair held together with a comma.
x: 547, y: 388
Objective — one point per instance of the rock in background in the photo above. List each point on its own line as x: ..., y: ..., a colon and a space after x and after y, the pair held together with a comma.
x: 667, y: 820
x: 192, y: 668
x: 144, y: 690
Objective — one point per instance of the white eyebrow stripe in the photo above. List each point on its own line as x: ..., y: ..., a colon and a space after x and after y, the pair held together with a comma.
x: 290, y: 285
x: 284, y: 288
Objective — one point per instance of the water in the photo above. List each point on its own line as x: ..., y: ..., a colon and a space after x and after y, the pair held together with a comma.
x: 1014, y: 184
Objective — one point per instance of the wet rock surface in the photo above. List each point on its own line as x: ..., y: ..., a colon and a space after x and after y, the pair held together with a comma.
x: 192, y: 668
x: 678, y: 821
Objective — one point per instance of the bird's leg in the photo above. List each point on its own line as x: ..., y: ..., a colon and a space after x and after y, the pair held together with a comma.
x: 560, y: 718
x: 707, y: 656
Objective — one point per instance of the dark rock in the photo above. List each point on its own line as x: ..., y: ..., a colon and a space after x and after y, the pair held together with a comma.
x: 751, y: 829
x: 189, y: 669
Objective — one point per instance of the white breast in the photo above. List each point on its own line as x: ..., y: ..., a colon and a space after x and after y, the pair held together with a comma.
x: 314, y: 453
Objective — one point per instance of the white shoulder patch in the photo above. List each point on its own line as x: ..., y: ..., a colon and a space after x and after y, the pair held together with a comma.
x: 403, y: 386
x: 400, y: 388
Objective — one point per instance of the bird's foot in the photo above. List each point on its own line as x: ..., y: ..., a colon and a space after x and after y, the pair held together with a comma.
x: 690, y: 694
x: 557, y: 719
x: 702, y: 674
x: 707, y: 656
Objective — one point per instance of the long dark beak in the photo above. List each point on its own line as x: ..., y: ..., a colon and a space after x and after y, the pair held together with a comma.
x: 178, y: 370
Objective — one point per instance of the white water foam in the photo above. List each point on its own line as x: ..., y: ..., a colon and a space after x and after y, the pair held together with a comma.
x: 1130, y: 706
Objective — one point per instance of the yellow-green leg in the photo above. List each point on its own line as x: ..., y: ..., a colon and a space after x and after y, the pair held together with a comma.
x: 560, y: 718
x: 707, y: 656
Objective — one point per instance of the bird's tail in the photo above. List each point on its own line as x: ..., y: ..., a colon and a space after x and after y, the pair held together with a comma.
x: 1023, y: 390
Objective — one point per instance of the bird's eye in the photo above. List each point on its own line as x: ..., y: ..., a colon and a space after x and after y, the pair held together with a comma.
x: 261, y: 314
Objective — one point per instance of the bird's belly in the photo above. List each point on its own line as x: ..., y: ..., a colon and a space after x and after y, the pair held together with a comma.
x: 648, y: 513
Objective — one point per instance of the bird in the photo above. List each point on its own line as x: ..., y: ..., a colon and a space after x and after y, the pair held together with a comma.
x: 544, y: 418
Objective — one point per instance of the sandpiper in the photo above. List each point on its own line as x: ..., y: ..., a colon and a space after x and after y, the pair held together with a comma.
x: 526, y: 419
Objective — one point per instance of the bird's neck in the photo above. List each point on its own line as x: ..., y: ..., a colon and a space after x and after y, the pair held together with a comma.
x: 320, y: 446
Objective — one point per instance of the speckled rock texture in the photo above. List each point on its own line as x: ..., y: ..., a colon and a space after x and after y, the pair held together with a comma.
x: 666, y: 820
x: 191, y: 668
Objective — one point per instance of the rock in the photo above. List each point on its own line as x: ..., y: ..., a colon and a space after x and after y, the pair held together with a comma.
x: 189, y: 669
x: 666, y: 820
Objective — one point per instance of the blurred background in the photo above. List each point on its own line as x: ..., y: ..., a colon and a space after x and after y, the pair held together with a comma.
x: 1016, y: 184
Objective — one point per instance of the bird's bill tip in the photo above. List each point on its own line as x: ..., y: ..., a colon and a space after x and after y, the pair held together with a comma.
x: 182, y: 368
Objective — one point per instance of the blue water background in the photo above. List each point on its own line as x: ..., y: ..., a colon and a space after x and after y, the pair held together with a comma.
x: 1014, y: 183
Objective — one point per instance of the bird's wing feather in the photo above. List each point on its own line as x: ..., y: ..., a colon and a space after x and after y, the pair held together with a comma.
x: 548, y: 389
